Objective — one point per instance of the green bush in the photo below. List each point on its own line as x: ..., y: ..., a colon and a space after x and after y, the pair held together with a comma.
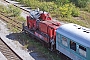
x: 75, y: 11
x: 56, y: 7
x: 69, y: 10
x: 49, y: 6
x: 65, y: 10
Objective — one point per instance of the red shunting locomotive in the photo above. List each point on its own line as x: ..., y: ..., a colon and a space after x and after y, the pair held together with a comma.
x: 41, y: 25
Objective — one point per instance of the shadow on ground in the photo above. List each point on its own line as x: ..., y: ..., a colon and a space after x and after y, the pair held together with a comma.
x: 20, y: 37
x: 16, y: 37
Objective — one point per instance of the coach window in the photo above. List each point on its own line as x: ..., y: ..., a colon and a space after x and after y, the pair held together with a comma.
x: 64, y: 41
x: 59, y: 37
x: 73, y: 45
x: 82, y: 50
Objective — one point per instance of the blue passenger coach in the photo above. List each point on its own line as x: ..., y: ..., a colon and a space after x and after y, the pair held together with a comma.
x: 73, y: 41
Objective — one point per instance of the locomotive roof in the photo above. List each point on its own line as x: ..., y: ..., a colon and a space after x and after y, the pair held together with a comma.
x: 76, y: 32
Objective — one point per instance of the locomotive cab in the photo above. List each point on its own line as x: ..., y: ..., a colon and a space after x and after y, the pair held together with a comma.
x: 45, y: 16
x: 35, y: 17
x: 31, y: 23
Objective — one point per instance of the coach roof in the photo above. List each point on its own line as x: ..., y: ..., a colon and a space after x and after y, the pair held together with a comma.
x: 76, y: 32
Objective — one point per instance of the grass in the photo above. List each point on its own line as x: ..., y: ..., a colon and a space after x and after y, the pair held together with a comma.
x: 72, y: 20
x: 86, y: 18
x: 87, y: 8
x: 29, y: 42
x: 13, y: 29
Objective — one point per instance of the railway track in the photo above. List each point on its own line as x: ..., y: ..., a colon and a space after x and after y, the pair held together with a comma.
x: 8, y: 52
x: 18, y: 7
x: 13, y: 23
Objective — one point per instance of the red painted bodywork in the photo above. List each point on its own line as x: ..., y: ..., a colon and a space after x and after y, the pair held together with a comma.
x: 46, y: 39
x: 46, y: 27
x: 45, y: 17
x: 31, y: 23
x: 49, y: 27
